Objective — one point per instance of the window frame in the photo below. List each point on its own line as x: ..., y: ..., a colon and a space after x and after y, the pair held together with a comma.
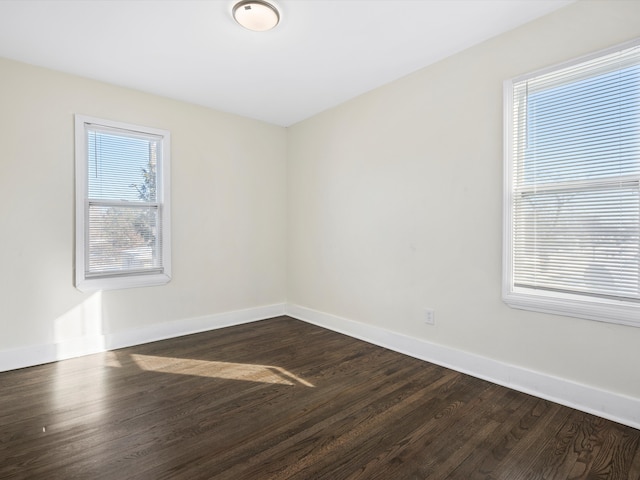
x: 601, y: 309
x: 88, y: 283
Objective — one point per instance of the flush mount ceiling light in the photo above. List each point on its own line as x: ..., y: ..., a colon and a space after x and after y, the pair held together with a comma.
x: 256, y: 15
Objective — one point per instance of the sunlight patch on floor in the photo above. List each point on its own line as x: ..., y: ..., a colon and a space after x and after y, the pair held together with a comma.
x: 223, y: 370
x: 111, y: 360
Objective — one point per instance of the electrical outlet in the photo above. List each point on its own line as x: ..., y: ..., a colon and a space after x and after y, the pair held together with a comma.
x: 429, y: 316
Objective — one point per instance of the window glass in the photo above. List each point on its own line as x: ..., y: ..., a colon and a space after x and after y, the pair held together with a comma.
x: 572, y: 201
x: 122, y: 215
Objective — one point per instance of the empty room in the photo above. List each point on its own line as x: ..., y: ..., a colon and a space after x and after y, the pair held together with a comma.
x: 320, y: 239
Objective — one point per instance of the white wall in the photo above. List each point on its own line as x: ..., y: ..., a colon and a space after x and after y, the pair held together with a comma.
x: 228, y: 213
x: 395, y: 204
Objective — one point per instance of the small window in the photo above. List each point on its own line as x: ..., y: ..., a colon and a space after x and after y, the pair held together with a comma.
x: 572, y: 189
x: 122, y: 205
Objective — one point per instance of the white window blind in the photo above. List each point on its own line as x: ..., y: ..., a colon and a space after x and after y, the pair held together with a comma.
x: 122, y: 213
x: 573, y: 166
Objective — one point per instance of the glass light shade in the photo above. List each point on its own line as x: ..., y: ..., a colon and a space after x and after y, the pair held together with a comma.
x: 256, y: 15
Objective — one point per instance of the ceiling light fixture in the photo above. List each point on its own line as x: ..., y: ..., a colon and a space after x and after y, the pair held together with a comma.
x: 256, y: 15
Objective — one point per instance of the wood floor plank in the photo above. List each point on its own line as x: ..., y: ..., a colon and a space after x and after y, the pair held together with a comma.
x: 284, y: 400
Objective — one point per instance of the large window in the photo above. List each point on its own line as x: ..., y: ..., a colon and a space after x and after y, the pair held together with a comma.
x: 572, y: 188
x: 122, y: 205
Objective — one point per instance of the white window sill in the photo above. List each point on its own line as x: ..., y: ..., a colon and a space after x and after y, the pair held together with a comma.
x: 114, y: 283
x: 602, y: 310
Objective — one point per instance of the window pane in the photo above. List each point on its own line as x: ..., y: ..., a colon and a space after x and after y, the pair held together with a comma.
x: 121, y: 167
x: 123, y: 238
x: 585, y: 130
x: 579, y: 241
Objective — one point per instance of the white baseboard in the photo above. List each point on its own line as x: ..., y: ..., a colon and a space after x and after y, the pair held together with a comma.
x: 86, y: 345
x: 616, y: 407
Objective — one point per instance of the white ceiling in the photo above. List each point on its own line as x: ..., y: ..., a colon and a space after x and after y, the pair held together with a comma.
x: 322, y: 53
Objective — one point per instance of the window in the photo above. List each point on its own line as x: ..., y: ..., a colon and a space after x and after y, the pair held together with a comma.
x: 572, y: 188
x: 122, y: 205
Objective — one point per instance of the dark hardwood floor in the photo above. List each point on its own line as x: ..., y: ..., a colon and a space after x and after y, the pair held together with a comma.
x: 281, y: 399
